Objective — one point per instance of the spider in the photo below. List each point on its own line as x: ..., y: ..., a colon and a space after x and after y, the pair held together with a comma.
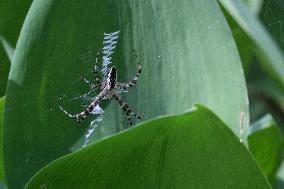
x: 110, y: 88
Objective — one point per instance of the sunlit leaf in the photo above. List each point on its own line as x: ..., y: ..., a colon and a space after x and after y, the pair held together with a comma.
x: 192, y: 150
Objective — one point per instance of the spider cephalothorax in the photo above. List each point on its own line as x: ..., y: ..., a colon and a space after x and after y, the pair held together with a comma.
x: 109, y: 88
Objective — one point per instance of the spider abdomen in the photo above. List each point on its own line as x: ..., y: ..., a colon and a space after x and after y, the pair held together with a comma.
x: 111, y: 78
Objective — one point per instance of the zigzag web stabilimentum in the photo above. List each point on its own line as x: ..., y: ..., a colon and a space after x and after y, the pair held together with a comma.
x: 109, y: 44
x: 104, y: 54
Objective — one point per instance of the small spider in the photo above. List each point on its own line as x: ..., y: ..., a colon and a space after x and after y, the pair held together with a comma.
x: 109, y: 89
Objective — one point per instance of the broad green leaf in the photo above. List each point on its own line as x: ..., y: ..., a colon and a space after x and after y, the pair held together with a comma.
x: 268, y: 51
x: 266, y: 144
x: 186, y: 50
x: 12, y: 14
x: 2, y: 101
x: 192, y: 150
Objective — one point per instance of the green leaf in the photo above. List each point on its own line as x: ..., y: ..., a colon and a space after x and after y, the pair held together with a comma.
x: 10, y: 20
x: 2, y: 102
x: 192, y: 150
x: 243, y: 42
x: 12, y: 14
x: 266, y: 145
x: 187, y: 56
x: 271, y: 56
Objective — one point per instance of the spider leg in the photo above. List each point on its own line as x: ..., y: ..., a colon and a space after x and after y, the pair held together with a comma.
x: 135, y: 79
x: 82, y: 115
x: 124, y: 106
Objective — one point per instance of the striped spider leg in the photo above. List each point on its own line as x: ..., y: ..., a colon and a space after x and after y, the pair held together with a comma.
x: 82, y: 115
x: 106, y: 93
x: 110, y: 88
x: 124, y: 106
x: 132, y: 82
x: 124, y: 86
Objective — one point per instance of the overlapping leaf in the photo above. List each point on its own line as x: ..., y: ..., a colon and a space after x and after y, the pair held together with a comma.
x: 266, y: 143
x: 12, y: 15
x: 192, y: 150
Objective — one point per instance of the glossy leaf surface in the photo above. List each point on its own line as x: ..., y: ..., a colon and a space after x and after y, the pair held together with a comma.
x: 192, y: 150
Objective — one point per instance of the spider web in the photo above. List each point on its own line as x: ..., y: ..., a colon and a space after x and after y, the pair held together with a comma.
x: 87, y: 57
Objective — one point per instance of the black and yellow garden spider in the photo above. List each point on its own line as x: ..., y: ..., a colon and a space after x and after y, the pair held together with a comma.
x: 109, y: 88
